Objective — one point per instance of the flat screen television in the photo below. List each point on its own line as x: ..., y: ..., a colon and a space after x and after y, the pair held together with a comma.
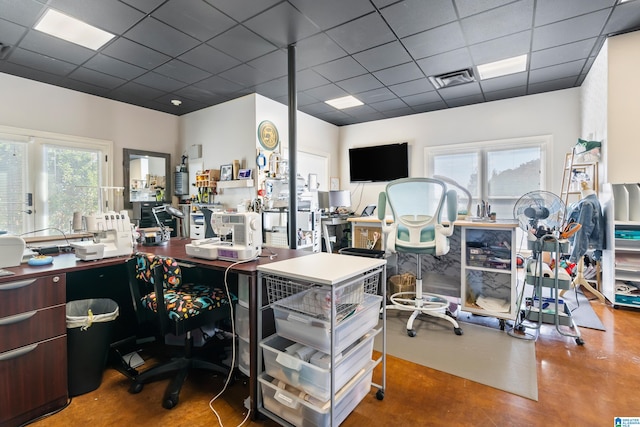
x: 379, y: 163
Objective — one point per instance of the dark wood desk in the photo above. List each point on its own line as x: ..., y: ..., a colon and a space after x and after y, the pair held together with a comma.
x: 66, y: 269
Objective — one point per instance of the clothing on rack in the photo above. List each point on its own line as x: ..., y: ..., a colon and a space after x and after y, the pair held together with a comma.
x: 588, y: 213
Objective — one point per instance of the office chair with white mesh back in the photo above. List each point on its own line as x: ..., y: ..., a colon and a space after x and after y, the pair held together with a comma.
x: 416, y: 205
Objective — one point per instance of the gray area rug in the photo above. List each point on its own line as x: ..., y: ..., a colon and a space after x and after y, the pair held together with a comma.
x: 581, y: 310
x: 484, y: 355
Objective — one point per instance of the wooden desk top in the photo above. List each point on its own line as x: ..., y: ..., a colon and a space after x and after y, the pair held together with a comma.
x: 68, y: 262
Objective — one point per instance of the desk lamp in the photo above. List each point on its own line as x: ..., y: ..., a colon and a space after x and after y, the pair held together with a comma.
x: 154, y: 237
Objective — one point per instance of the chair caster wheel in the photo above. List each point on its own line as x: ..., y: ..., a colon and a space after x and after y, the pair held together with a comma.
x: 458, y: 331
x: 135, y: 388
x: 169, y: 403
x: 411, y: 333
x: 579, y: 341
x: 380, y: 394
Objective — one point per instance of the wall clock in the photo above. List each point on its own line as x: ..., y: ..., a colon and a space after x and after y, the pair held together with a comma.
x: 268, y: 135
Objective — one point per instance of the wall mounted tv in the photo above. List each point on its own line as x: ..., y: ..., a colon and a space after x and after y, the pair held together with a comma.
x: 379, y: 163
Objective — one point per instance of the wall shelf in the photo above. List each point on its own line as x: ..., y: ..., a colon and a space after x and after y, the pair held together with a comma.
x: 236, y: 183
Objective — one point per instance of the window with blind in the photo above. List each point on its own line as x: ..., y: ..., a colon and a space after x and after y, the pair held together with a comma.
x: 44, y: 178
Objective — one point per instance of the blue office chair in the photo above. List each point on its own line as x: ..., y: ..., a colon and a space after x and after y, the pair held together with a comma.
x: 416, y: 205
x: 162, y: 297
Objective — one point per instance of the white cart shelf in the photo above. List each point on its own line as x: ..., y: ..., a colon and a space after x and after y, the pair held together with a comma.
x: 327, y: 306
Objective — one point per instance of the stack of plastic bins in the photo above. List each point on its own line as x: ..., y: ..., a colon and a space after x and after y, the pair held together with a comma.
x: 242, y: 327
x: 296, y: 384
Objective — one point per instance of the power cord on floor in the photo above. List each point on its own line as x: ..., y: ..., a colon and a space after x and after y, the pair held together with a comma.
x: 233, y: 346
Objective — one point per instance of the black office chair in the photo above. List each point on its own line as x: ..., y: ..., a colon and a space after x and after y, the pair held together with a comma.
x: 186, y: 307
x: 208, y: 230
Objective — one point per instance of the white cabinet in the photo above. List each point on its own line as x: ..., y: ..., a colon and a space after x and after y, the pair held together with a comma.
x: 489, y: 270
x: 318, y: 365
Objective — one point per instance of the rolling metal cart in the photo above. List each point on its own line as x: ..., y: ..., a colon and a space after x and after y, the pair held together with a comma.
x: 318, y: 364
x: 539, y: 309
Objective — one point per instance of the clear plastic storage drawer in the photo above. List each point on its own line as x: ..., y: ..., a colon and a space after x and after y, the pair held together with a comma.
x: 310, y: 370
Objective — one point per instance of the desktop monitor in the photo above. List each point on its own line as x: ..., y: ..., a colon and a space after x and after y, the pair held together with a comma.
x: 323, y: 200
x: 340, y: 199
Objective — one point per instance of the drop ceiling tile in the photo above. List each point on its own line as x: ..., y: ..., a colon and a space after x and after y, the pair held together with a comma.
x: 624, y: 16
x: 385, y: 56
x: 134, y: 93
x: 282, y: 25
x: 360, y: 84
x: 340, y: 69
x: 241, y: 43
x: 570, y: 30
x: 335, y: 117
x: 245, y: 75
x: 383, y: 3
x: 415, y: 16
x: 388, y: 105
x: 30, y: 73
x: 555, y: 72
x: 361, y: 34
x: 41, y: 62
x: 504, y: 82
x: 467, y: 100
x: 399, y: 112
x: 473, y: 7
x: 112, y: 16
x: 274, y: 89
x: 552, y: 85
x: 560, y: 54
x: 308, y: 79
x: 158, y: 81
x: 323, y: 13
x: 10, y: 33
x: 376, y: 95
x: 422, y: 98
x: 134, y: 53
x: 54, y: 47
x: 435, y: 41
x: 505, y: 93
x: 499, y: 22
x: 194, y: 93
x: 446, y: 62
x: 326, y: 92
x: 218, y: 85
x: 548, y: 11
x: 187, y: 105
x: 501, y: 48
x: 114, y: 67
x: 85, y: 87
x: 209, y: 59
x: 317, y: 49
x: 362, y: 118
x: 303, y: 100
x: 200, y: 20
x: 399, y: 74
x: 145, y: 6
x: 22, y: 12
x: 318, y: 108
x: 412, y: 87
x: 96, y: 78
x: 460, y: 91
x: 161, y: 37
x: 182, y: 72
x: 432, y: 106
x: 242, y: 9
x: 359, y: 110
x: 271, y: 65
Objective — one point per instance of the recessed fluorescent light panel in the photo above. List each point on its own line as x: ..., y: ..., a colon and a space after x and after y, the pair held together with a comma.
x: 72, y: 30
x: 344, y: 102
x: 504, y: 67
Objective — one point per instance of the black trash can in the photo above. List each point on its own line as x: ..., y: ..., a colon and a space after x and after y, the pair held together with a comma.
x: 89, y: 327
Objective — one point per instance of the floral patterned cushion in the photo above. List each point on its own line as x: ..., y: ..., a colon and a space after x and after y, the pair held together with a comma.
x: 182, y: 300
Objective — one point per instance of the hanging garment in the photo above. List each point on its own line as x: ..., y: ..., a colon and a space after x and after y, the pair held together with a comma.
x: 588, y: 213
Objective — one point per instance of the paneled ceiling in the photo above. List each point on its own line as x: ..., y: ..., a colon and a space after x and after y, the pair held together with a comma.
x: 205, y: 52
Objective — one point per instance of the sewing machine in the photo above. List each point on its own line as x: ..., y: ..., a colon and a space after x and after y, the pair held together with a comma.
x: 246, y: 238
x: 112, y: 236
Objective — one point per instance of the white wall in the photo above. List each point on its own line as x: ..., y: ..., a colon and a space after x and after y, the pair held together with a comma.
x: 37, y: 106
x: 554, y: 113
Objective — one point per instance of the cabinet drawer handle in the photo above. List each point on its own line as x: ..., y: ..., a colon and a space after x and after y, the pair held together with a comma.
x: 19, y: 352
x: 17, y: 318
x: 16, y: 285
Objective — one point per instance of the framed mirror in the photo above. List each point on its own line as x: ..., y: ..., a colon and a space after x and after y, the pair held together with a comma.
x: 147, y: 176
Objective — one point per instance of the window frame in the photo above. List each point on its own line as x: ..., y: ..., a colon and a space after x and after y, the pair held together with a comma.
x: 481, y: 148
x: 36, y: 142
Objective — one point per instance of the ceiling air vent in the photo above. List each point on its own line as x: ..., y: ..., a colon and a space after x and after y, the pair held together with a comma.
x: 452, y: 78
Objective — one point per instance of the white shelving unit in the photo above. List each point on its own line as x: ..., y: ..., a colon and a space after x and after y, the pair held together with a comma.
x: 318, y: 365
x: 623, y: 235
x: 489, y: 275
x: 236, y: 183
